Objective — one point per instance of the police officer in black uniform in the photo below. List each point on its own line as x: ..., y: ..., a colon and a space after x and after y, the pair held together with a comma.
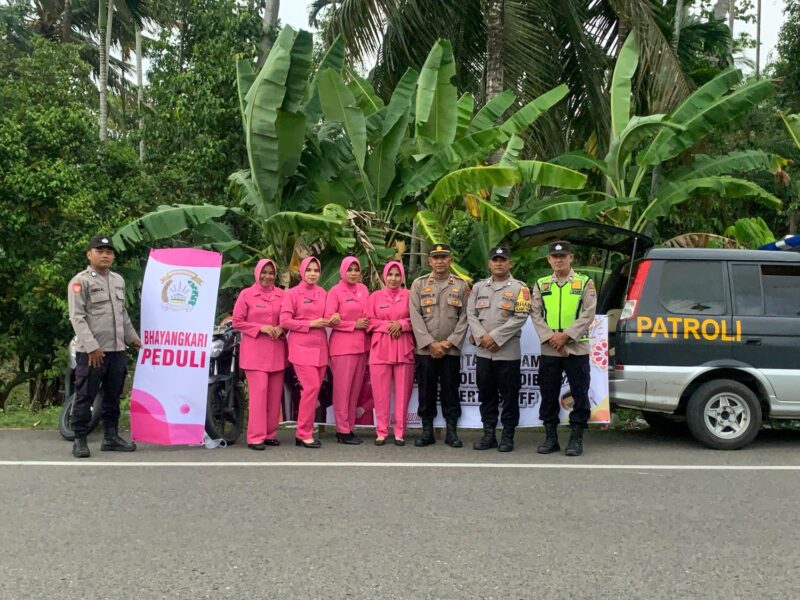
x: 103, y: 330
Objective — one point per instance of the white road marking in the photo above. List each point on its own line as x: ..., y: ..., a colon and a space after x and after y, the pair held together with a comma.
x: 402, y: 465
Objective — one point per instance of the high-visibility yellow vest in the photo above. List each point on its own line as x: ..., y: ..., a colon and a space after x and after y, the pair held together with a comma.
x: 562, y: 303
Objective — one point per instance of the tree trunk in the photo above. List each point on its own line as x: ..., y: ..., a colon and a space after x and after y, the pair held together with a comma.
x: 105, y: 20
x: 268, y: 25
x: 66, y: 22
x: 676, y: 37
x: 758, y: 39
x: 493, y: 15
x: 45, y: 392
x: 139, y: 92
x: 731, y: 20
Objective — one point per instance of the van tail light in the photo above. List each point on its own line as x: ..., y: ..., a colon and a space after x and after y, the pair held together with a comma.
x: 635, y: 292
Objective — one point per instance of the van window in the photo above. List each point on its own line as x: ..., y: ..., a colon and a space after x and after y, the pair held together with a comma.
x: 781, y: 290
x: 692, y: 287
x: 747, y: 298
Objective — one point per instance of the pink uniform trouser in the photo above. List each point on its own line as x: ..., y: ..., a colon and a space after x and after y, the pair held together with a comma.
x: 348, y: 377
x: 382, y: 377
x: 310, y: 379
x: 265, y: 393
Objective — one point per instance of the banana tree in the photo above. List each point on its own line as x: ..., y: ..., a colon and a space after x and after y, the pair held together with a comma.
x: 641, y: 143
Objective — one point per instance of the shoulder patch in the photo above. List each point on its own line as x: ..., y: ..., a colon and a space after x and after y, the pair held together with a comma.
x: 523, y: 303
x: 76, y: 288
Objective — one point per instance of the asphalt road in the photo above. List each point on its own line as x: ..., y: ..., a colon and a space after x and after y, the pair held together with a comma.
x: 639, y: 516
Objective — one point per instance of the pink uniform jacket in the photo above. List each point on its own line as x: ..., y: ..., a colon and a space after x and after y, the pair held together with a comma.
x: 302, y: 304
x: 385, y: 306
x: 257, y: 306
x: 350, y: 301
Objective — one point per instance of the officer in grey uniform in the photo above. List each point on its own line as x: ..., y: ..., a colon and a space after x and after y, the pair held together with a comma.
x: 438, y: 310
x: 498, y: 307
x: 562, y: 310
x: 103, y: 330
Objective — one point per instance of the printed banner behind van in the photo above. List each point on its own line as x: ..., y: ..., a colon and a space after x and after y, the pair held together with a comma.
x: 170, y: 385
x: 529, y: 396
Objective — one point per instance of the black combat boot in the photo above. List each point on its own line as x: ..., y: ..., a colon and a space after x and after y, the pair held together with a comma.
x: 113, y: 443
x: 80, y: 449
x: 451, y: 435
x: 426, y: 439
x: 488, y: 440
x: 506, y: 440
x: 550, y: 443
x: 575, y: 445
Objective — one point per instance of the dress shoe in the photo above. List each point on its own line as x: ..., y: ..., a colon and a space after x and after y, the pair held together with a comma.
x: 314, y: 444
x: 348, y: 438
x: 272, y: 443
x: 380, y: 442
x: 399, y: 442
x: 261, y: 446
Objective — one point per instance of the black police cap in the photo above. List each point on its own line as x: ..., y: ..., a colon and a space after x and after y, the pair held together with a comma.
x: 101, y: 241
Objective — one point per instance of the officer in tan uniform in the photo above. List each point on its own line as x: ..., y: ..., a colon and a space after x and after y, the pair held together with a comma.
x: 438, y: 310
x: 497, y: 309
x: 103, y: 330
x: 562, y: 309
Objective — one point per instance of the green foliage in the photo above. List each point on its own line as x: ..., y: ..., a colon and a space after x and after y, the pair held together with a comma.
x: 58, y: 188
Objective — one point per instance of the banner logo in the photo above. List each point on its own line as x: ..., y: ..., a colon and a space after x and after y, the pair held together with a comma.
x: 180, y: 290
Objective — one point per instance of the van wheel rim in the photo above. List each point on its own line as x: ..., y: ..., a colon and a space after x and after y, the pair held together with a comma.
x: 727, y: 416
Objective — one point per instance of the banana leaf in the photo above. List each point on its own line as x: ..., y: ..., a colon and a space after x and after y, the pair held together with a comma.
x: 464, y: 108
x: 627, y: 61
x: 498, y: 221
x: 368, y: 101
x: 670, y: 194
x: 245, y: 76
x: 436, y: 118
x: 527, y: 115
x: 570, y: 209
x: 299, y: 67
x: 333, y: 59
x: 509, y: 159
x: 703, y: 121
x: 490, y: 113
x: 637, y: 130
x: 339, y: 105
x: 792, y: 123
x: 734, y: 162
x: 550, y: 175
x: 166, y: 222
x: 578, y: 159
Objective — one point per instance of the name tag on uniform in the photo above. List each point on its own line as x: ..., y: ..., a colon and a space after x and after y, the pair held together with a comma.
x: 307, y: 301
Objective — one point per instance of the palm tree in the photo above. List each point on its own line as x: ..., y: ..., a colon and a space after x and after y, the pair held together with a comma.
x: 543, y: 43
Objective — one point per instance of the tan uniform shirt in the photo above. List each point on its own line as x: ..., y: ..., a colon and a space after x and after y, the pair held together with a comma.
x: 97, y: 312
x: 438, y: 311
x: 579, y: 327
x: 499, y: 308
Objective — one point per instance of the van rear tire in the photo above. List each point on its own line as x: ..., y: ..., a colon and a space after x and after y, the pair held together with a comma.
x: 724, y: 414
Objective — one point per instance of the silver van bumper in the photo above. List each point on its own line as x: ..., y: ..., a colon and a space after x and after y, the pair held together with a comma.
x: 651, y: 388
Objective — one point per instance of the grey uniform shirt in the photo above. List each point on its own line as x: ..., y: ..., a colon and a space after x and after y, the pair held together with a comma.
x: 97, y: 312
x: 579, y: 327
x: 438, y: 311
x: 499, y: 308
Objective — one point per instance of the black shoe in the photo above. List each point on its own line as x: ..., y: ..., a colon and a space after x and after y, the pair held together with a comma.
x: 506, y: 440
x: 348, y: 438
x: 380, y: 442
x: 550, y: 443
x: 575, y: 444
x: 261, y: 446
x: 398, y: 442
x: 272, y: 443
x: 426, y: 439
x: 488, y: 440
x: 451, y: 435
x: 314, y: 444
x: 80, y: 449
x: 113, y: 443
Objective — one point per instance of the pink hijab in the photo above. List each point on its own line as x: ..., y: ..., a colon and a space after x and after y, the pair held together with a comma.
x: 304, y: 265
x: 387, y: 268
x: 260, y: 267
x: 347, y: 261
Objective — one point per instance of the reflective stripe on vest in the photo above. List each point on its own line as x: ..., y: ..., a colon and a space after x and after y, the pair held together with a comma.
x: 562, y: 303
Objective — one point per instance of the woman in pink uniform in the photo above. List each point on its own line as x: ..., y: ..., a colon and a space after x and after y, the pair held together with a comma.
x: 349, y: 344
x: 262, y: 354
x: 302, y: 316
x: 391, y: 355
